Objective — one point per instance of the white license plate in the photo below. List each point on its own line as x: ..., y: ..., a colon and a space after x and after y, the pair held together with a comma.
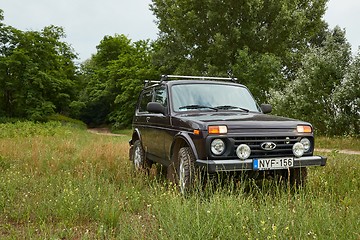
x: 273, y: 163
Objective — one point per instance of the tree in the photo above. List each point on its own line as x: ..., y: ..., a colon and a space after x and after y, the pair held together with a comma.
x: 259, y: 72
x: 97, y: 99
x: 311, y: 95
x: 37, y: 74
x: 346, y: 99
x: 114, y: 78
x: 205, y: 36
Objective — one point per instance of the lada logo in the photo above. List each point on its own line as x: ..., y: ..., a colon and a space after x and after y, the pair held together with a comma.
x: 268, y: 146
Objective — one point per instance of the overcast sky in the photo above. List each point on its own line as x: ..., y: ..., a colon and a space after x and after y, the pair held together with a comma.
x: 86, y: 22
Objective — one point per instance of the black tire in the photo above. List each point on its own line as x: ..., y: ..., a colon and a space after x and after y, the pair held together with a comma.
x: 186, y: 174
x: 298, y: 177
x: 140, y: 162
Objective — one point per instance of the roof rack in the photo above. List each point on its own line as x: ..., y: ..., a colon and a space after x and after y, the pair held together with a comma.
x: 149, y: 82
x: 166, y: 77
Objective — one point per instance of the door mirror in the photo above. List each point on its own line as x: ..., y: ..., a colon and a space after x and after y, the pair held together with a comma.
x: 266, y: 108
x: 155, y: 107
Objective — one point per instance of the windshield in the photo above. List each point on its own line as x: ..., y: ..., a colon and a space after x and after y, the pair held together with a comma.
x: 213, y: 97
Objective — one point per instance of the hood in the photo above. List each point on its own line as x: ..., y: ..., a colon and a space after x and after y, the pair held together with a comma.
x: 239, y: 120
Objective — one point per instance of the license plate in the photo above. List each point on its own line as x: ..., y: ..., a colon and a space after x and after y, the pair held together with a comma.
x: 273, y: 163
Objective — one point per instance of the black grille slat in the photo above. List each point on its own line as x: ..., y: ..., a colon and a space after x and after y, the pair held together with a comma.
x: 273, y: 151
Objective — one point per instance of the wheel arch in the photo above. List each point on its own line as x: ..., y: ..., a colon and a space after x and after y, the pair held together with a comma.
x: 135, y: 136
x: 182, y: 140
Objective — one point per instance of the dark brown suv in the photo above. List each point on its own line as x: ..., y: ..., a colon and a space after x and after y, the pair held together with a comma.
x: 215, y: 124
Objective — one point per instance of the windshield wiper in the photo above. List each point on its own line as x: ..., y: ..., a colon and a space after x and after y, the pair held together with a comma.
x: 197, y: 107
x: 228, y: 107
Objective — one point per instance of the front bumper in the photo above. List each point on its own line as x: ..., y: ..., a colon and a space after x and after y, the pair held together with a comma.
x: 213, y: 166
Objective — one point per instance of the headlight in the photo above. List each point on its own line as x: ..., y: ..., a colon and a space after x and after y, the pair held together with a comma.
x: 298, y: 149
x: 217, y: 146
x: 306, y: 143
x: 243, y: 151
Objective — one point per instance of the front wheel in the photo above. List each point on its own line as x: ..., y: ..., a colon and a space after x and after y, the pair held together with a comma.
x: 140, y: 163
x: 186, y: 170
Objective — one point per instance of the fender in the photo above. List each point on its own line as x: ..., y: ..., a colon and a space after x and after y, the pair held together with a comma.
x: 131, y: 142
x: 186, y: 137
x: 135, y: 132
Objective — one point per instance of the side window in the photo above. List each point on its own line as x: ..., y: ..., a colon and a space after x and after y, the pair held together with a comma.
x: 146, y: 97
x: 160, y: 95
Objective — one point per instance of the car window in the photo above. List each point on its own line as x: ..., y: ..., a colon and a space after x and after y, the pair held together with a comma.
x: 211, y: 96
x: 160, y: 95
x: 145, y: 98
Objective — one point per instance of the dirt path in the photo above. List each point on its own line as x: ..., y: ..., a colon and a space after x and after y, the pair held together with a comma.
x: 345, y: 151
x: 106, y: 132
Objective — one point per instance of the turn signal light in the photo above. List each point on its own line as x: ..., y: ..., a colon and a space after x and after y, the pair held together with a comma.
x: 304, y: 129
x: 217, y: 129
x: 196, y: 132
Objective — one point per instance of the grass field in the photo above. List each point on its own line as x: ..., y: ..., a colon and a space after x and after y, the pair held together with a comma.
x: 349, y: 143
x: 58, y: 182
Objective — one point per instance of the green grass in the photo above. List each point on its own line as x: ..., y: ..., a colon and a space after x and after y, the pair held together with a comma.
x: 123, y: 131
x: 348, y: 143
x: 58, y: 182
x: 67, y: 121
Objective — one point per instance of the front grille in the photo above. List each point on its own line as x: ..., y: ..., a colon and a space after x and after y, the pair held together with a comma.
x: 284, y: 146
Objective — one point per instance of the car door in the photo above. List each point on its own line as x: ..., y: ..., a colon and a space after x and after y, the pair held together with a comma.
x: 142, y: 116
x: 158, y: 124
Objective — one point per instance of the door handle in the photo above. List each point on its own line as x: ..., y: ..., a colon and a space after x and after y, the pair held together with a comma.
x: 147, y: 119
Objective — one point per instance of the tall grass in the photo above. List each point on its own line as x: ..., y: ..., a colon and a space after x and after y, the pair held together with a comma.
x: 62, y: 182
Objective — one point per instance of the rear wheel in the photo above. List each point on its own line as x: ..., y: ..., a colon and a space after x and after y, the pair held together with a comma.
x: 140, y: 163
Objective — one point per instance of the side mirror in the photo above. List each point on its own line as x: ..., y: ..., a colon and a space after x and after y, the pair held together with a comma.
x: 155, y: 107
x: 266, y: 108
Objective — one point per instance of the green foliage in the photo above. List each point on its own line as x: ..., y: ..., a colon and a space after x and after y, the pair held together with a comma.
x: 259, y: 72
x: 325, y: 90
x: 114, y: 79
x: 261, y: 42
x: 37, y: 75
x: 78, y: 185
x: 346, y: 99
x: 200, y: 36
x: 64, y: 120
x: 10, y: 120
x: 280, y: 49
x: 30, y: 129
